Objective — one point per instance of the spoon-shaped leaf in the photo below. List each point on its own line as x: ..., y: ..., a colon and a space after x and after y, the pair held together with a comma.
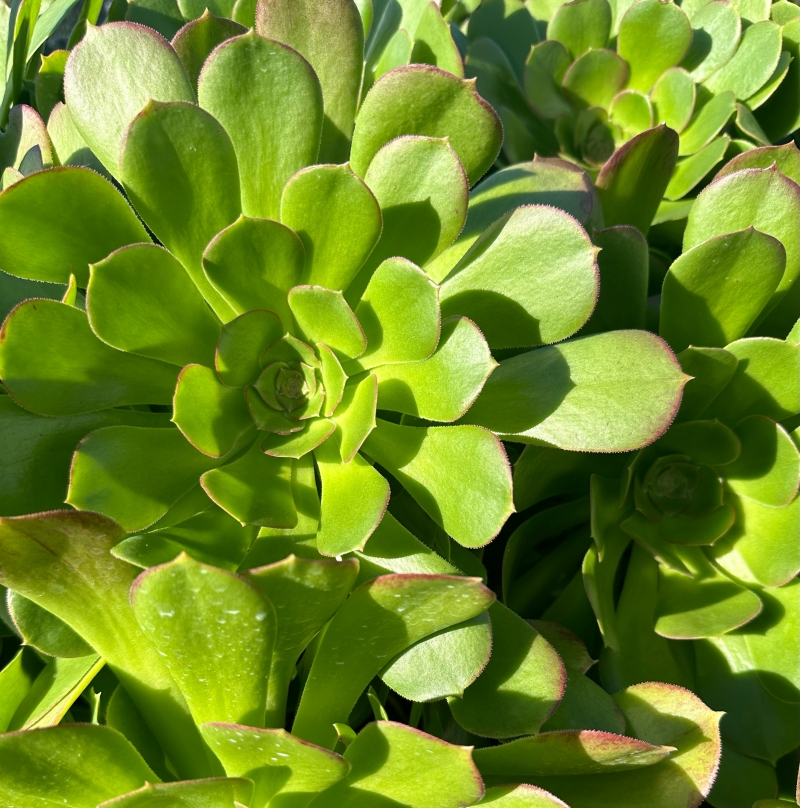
x: 195, y: 41
x: 380, y: 619
x: 442, y: 467
x: 43, y: 630
x: 214, y: 792
x: 522, y: 796
x: 270, y: 102
x: 324, y: 316
x: 581, y: 26
x: 86, y: 219
x: 716, y: 31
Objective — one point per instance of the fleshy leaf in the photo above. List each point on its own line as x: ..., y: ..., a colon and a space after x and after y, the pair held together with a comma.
x: 306, y: 594
x: 82, y: 373
x: 608, y: 392
x: 214, y: 792
x: 195, y: 41
x: 515, y: 292
x: 215, y: 632
x: 141, y: 300
x: 710, y: 116
x: 333, y: 379
x: 673, y: 98
x: 399, y: 312
x: 442, y: 387
x: 331, y: 38
x: 35, y: 473
x: 768, y: 469
x: 338, y: 220
x: 25, y: 131
x: 355, y: 415
x: 721, y: 29
x: 786, y: 158
x: 324, y: 316
x: 522, y: 796
x: 354, y: 500
x: 595, y: 78
x: 519, y: 688
x: 753, y: 63
x: 253, y: 264
x: 103, y: 112
x: 255, y: 489
x: 269, y: 100
x: 715, y: 291
x: 581, y: 26
x: 263, y: 755
x: 766, y: 381
x: 297, y: 444
x: 760, y: 198
x: 689, y: 172
x: 443, y: 664
x: 242, y: 342
x: 632, y: 183
x: 545, y: 67
x: 393, y: 764
x: 44, y: 631
x: 711, y: 369
x: 653, y: 37
x: 433, y: 42
x: 452, y: 109
x: 213, y: 418
x: 380, y: 619
x: 83, y: 764
x: 179, y: 168
x: 443, y: 467
x: 423, y: 194
x: 134, y: 475
x: 57, y: 222
x: 95, y: 603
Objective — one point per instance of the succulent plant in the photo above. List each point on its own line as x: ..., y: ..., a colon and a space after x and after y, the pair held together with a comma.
x: 688, y: 548
x: 582, y: 78
x: 190, y: 663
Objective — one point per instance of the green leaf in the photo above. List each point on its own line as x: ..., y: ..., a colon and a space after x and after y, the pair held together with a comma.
x: 623, y: 264
x: 423, y: 192
x: 324, y: 316
x: 653, y: 36
x: 215, y: 632
x: 393, y: 764
x: 711, y: 369
x: 354, y: 500
x: 270, y: 102
x: 768, y: 469
x: 25, y: 131
x: 442, y: 387
x: 44, y: 631
x: 443, y: 664
x: 141, y: 300
x: 716, y: 30
x: 264, y: 755
x: 544, y: 70
x: 255, y: 489
x: 552, y: 182
x: 103, y: 111
x: 179, y: 169
x: 338, y: 220
x: 709, y: 117
x: 195, y: 41
x: 673, y: 98
x: 632, y: 112
x: 355, y: 415
x: 55, y: 690
x: 433, y: 43
x: 595, y: 78
x: 522, y: 796
x: 765, y: 382
x: 297, y: 444
x: 57, y: 222
x: 610, y: 392
x: 216, y: 792
x: 399, y: 312
x: 333, y: 379
x: 786, y: 158
x: 689, y: 172
x: 85, y: 765
x: 16, y: 680
x: 83, y: 374
x: 164, y: 16
x: 423, y: 100
x: 79, y: 581
x: 445, y: 467
x: 306, y: 594
x: 331, y: 38
x: 38, y: 451
x: 380, y: 619
x: 514, y: 291
x: 213, y: 418
x: 519, y: 688
x: 715, y: 291
x: 241, y: 344
x: 743, y: 779
x: 134, y: 474
x: 70, y: 148
x: 760, y: 198
x: 253, y: 264
x: 581, y: 26
x: 753, y: 63
x: 780, y: 115
x: 632, y: 183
